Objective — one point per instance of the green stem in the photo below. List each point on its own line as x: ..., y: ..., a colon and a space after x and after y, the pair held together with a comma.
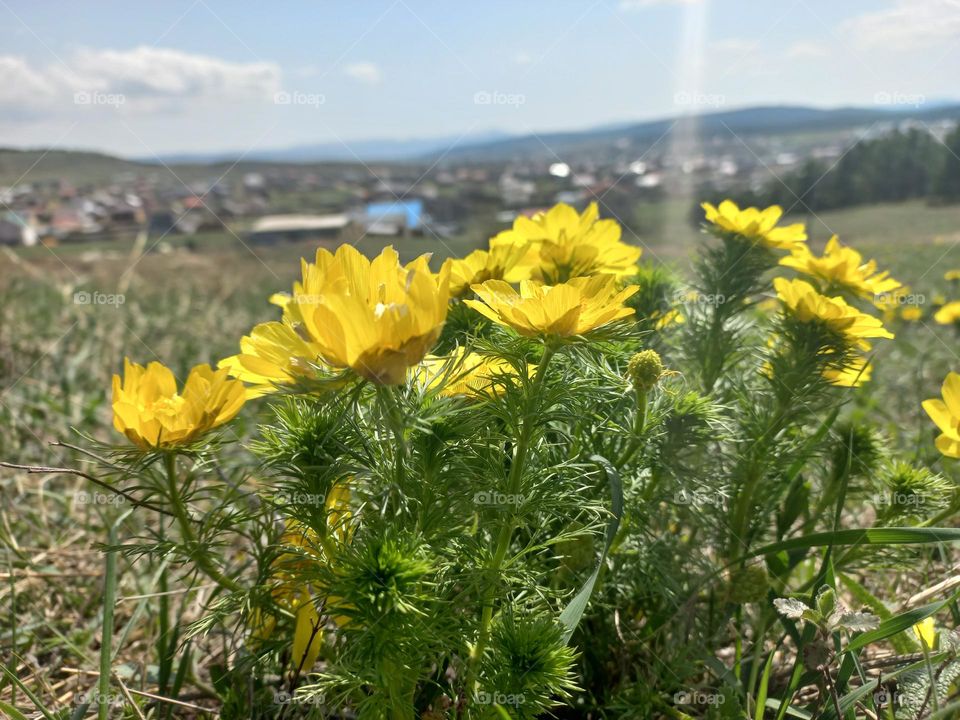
x: 753, y: 472
x: 395, y: 418
x: 930, y: 675
x: 946, y: 514
x: 712, y: 362
x: 505, y: 534
x: 758, y: 648
x: 106, y: 637
x: 197, y: 553
x: 639, y: 426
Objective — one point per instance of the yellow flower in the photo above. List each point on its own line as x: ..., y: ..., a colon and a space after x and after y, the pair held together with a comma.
x: 378, y: 317
x: 911, y: 313
x: 481, y: 265
x: 148, y: 409
x: 755, y: 224
x: 926, y: 631
x: 807, y: 305
x: 466, y: 374
x: 949, y: 314
x: 945, y: 414
x: 572, y: 308
x: 853, y: 375
x: 766, y: 306
x: 272, y: 354
x: 564, y: 244
x: 290, y: 592
x: 842, y: 268
x: 951, y: 275
x: 665, y: 320
x: 891, y: 302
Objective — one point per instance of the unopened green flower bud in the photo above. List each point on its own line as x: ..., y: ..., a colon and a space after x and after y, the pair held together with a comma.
x: 645, y: 369
x: 826, y: 602
x: 748, y: 584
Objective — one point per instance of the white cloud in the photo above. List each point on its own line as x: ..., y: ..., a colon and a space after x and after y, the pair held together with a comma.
x: 22, y: 85
x: 365, y: 72
x: 806, y: 51
x: 148, y: 72
x: 147, y: 78
x: 907, y: 24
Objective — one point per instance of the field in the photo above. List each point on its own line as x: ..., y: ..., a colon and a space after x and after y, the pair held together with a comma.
x: 69, y: 315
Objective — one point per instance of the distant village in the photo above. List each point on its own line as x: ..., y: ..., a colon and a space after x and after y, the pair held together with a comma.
x: 281, y: 203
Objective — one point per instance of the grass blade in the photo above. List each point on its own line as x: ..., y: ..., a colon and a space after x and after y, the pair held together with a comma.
x: 106, y: 636
x: 896, y: 624
x: 858, y: 536
x: 762, y: 691
x: 570, y: 617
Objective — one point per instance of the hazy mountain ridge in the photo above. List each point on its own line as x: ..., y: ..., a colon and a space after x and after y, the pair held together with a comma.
x: 768, y: 120
x: 595, y: 143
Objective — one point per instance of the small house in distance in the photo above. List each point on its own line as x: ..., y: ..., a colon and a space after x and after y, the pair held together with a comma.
x: 17, y: 229
x: 394, y: 217
x: 272, y: 229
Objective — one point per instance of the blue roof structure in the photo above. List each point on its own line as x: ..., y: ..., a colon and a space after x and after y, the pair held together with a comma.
x: 410, y: 210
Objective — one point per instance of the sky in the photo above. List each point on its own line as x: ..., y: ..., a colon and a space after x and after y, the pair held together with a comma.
x: 143, y: 79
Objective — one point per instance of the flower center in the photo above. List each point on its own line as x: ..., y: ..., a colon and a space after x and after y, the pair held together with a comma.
x: 168, y: 407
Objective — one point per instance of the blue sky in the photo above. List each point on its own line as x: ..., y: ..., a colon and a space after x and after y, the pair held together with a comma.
x: 208, y: 75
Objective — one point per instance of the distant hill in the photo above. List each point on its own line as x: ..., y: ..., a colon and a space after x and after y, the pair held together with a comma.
x: 773, y: 120
x: 351, y: 151
x: 599, y: 143
x: 89, y: 168
x: 596, y: 144
x: 37, y: 165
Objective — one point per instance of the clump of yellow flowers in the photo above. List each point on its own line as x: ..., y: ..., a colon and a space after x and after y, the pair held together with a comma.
x: 379, y: 319
x: 437, y: 436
